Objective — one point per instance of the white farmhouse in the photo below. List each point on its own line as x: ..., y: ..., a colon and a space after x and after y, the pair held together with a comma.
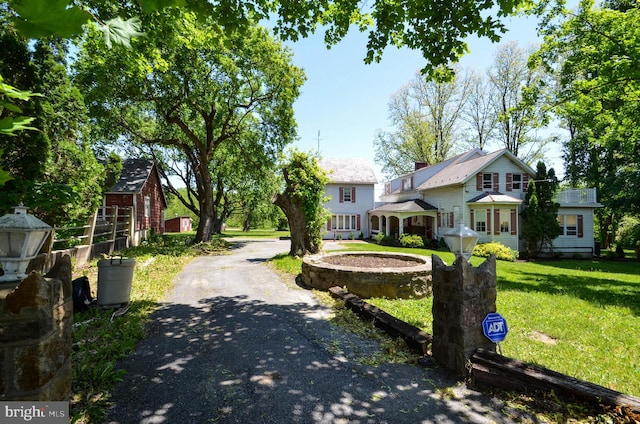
x: 351, y: 193
x: 484, y: 190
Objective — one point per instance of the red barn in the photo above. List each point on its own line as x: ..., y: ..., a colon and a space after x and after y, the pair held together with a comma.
x: 139, y: 188
x: 178, y: 224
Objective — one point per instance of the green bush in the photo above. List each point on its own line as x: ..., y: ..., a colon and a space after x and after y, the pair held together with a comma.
x: 628, y: 232
x: 501, y: 251
x: 411, y: 240
x: 383, y: 240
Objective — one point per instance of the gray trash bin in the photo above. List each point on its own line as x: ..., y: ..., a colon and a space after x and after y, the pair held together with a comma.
x: 114, y: 281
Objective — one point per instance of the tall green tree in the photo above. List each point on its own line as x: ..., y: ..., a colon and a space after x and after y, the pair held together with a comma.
x: 427, y: 116
x: 24, y: 152
x: 516, y: 103
x: 594, y: 52
x: 53, y: 169
x: 70, y: 189
x: 540, y: 216
x: 302, y: 201
x: 193, y: 89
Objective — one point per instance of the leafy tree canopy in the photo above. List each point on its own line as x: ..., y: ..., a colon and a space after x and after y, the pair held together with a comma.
x: 194, y: 94
x: 437, y: 30
x: 595, y: 54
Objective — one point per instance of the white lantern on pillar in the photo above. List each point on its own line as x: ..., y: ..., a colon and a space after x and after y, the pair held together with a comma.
x: 21, y: 238
x: 461, y: 240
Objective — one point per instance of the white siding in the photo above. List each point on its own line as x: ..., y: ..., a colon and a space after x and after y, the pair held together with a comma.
x: 365, y: 199
x: 573, y: 243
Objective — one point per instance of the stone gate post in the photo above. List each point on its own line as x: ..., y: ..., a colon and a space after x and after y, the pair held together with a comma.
x: 462, y: 296
x: 36, y: 318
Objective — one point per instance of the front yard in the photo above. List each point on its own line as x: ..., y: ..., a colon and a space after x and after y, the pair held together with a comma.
x: 578, y: 317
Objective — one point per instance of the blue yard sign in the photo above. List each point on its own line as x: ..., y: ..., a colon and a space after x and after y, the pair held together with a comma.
x: 494, y: 327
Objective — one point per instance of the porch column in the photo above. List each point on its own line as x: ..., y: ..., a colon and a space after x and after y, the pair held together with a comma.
x: 387, y: 232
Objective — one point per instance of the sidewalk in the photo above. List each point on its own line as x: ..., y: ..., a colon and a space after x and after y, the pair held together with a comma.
x: 236, y: 344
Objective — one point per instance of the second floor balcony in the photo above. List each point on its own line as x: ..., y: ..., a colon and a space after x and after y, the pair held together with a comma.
x: 576, y: 196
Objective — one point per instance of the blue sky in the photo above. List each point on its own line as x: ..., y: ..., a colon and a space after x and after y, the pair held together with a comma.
x: 346, y: 101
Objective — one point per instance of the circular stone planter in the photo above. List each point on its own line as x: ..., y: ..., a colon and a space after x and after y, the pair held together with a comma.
x: 370, y: 274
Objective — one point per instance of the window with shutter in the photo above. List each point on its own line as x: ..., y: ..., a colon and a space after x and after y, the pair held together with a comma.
x: 488, y: 221
x: 580, y: 226
x: 346, y: 194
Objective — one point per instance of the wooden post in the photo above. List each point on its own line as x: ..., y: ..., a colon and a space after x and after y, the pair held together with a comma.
x: 90, y: 230
x: 114, y: 228
x: 132, y: 229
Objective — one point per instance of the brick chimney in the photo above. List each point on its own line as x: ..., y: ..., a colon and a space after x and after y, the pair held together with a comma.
x: 420, y: 165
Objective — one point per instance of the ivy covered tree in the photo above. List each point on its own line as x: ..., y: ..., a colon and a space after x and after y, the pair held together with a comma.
x: 540, y: 217
x: 302, y: 202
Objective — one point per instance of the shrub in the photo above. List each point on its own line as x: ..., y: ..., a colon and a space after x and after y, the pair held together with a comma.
x: 383, y: 240
x: 411, y: 240
x: 501, y: 251
x: 628, y: 232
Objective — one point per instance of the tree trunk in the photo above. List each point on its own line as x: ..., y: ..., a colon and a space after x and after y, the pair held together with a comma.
x: 301, y: 242
x: 247, y: 223
x: 206, y: 226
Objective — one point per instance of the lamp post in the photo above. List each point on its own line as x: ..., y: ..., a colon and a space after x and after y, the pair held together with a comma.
x: 461, y: 240
x: 21, y: 237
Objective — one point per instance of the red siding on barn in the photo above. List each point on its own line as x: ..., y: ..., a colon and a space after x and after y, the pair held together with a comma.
x: 178, y: 224
x: 152, y: 188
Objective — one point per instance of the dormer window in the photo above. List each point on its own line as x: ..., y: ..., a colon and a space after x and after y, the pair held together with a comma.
x: 407, y: 184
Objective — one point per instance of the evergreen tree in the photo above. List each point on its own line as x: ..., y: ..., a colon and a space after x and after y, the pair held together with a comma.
x: 540, y: 217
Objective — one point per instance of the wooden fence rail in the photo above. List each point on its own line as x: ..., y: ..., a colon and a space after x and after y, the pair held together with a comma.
x: 106, y: 231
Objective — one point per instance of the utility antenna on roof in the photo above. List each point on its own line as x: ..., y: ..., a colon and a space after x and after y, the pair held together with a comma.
x: 318, y: 152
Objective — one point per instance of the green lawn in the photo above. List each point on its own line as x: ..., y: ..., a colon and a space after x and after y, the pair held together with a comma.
x: 578, y: 317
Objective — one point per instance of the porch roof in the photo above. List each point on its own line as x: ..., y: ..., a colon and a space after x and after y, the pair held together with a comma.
x: 494, y: 197
x: 415, y: 205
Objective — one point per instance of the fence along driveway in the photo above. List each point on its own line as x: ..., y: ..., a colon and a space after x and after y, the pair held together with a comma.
x: 104, y: 233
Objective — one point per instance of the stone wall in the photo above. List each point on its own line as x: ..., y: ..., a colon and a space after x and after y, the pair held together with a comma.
x: 411, y: 282
x: 462, y: 298
x: 36, y: 319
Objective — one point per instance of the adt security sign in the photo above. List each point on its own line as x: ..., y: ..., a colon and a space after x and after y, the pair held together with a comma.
x: 494, y: 327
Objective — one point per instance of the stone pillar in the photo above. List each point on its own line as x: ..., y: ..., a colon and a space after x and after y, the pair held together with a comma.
x: 462, y: 297
x: 36, y: 319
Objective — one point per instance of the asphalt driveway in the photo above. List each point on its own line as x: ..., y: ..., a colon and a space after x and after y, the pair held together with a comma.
x: 235, y: 343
